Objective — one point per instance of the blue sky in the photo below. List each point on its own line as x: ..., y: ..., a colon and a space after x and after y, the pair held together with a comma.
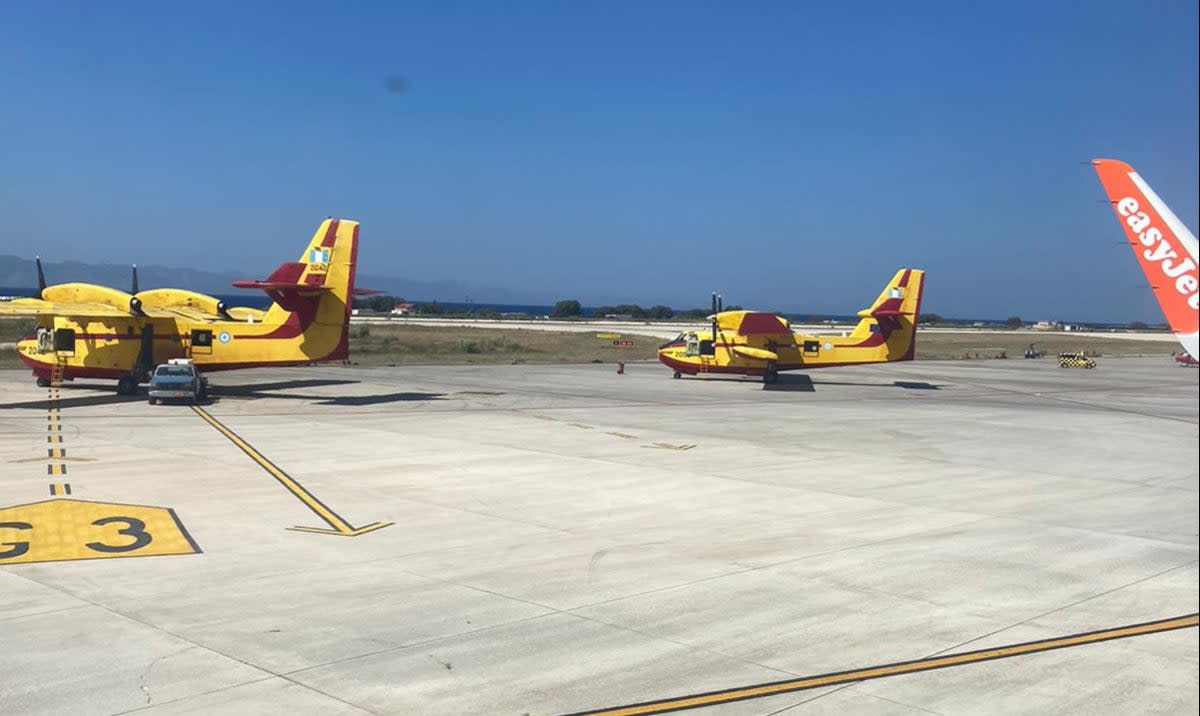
x: 790, y: 155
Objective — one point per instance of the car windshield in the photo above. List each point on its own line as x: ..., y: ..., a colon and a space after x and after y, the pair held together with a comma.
x: 173, y: 371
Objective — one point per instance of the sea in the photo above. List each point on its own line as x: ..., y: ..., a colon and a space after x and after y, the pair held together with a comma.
x: 257, y: 300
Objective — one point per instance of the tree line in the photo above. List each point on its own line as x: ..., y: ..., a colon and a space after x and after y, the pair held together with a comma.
x: 570, y: 307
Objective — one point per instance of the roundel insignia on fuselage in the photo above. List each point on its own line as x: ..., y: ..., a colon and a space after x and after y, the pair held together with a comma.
x: 224, y: 337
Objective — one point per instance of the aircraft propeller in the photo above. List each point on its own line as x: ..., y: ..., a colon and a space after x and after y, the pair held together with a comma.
x: 133, y: 285
x: 718, y: 304
x: 41, y: 276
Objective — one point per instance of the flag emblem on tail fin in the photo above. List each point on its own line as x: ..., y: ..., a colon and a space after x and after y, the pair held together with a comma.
x: 318, y: 256
x: 895, y: 293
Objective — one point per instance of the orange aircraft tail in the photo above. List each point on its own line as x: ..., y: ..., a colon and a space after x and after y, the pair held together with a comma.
x: 1164, y: 247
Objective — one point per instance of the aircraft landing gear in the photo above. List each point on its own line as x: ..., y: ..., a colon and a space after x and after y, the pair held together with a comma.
x: 43, y: 382
x: 770, y: 375
x: 127, y: 386
x: 677, y: 375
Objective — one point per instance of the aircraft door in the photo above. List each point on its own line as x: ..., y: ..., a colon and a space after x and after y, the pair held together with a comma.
x: 64, y: 341
x: 708, y: 348
x: 202, y: 341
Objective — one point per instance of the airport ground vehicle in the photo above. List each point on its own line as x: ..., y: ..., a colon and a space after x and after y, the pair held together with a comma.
x: 1075, y: 360
x: 177, y: 379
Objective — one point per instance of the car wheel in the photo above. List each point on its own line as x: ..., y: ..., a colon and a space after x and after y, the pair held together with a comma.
x: 154, y: 401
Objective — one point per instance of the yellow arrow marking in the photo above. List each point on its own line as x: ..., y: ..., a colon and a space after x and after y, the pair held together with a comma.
x: 337, y: 523
x: 713, y: 698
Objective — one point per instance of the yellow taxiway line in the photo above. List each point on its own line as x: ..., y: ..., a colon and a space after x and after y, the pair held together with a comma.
x: 774, y: 688
x: 337, y: 524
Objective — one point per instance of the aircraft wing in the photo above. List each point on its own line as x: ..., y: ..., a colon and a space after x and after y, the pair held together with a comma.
x: 189, y: 312
x: 757, y: 323
x: 756, y: 353
x: 38, y: 307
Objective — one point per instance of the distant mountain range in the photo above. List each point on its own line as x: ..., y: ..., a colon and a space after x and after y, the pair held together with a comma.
x: 18, y: 272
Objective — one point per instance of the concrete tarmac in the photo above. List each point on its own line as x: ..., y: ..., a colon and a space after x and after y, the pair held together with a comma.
x: 565, y: 538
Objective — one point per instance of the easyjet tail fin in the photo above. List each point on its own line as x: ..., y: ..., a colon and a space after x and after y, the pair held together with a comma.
x: 1163, y: 246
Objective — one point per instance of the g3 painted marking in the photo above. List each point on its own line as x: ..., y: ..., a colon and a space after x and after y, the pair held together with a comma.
x: 68, y: 529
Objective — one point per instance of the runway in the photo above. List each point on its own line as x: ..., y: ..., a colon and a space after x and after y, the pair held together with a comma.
x: 563, y: 539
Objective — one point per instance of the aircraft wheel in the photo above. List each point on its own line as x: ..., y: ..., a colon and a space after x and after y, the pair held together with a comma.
x: 677, y: 375
x: 43, y: 382
x: 126, y: 386
x: 154, y: 401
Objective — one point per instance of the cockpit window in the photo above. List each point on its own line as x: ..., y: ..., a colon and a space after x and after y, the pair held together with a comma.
x: 674, y: 342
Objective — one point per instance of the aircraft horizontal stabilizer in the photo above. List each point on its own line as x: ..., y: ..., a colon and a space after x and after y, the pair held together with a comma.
x: 756, y: 353
x: 278, y: 286
x: 881, y: 312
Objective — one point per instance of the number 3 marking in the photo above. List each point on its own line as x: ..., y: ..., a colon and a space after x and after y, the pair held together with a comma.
x: 135, y: 528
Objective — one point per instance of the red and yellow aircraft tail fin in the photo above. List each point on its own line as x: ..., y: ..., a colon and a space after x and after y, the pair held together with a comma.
x: 1163, y: 245
x: 313, y: 296
x: 892, y: 318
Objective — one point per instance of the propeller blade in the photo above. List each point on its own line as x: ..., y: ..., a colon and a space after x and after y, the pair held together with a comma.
x: 714, y: 318
x: 41, y: 276
x: 133, y: 288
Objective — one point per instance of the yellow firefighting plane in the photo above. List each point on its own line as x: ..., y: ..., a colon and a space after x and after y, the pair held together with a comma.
x: 89, y: 331
x: 756, y: 343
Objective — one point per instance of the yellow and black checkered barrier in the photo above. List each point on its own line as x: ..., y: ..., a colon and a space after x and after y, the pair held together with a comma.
x: 1075, y: 360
